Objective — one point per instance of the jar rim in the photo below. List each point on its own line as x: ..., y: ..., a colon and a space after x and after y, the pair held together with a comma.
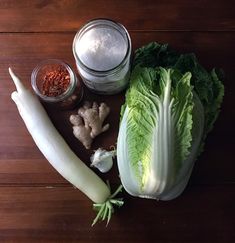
x: 104, y: 21
x: 62, y: 96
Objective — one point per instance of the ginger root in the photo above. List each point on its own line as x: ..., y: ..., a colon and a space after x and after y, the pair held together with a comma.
x: 88, y: 123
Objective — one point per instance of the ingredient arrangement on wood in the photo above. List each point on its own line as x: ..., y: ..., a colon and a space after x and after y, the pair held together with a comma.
x: 171, y: 105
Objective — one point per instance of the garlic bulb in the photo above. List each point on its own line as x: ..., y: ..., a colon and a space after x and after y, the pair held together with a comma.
x: 102, y: 159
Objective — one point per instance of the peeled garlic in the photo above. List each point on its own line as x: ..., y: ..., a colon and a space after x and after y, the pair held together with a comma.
x: 102, y: 159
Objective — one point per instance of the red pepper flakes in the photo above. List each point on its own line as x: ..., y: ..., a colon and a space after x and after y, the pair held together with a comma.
x: 55, y: 82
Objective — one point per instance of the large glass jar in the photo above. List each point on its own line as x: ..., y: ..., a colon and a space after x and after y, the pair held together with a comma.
x: 102, y: 50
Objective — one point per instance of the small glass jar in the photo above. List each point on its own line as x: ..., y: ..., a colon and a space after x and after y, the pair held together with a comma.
x: 102, y: 50
x: 56, y: 83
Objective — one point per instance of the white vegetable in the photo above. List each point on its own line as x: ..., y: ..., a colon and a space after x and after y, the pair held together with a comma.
x: 55, y: 149
x: 102, y: 160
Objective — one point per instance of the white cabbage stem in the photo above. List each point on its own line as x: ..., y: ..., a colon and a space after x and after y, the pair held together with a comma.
x: 55, y: 149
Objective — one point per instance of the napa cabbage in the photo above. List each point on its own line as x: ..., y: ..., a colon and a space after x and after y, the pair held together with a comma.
x: 171, y: 105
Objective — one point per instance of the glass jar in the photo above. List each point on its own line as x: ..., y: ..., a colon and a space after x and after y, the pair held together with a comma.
x: 102, y: 50
x: 56, y: 83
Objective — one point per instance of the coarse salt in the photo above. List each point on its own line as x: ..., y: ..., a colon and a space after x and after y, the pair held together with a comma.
x: 102, y: 51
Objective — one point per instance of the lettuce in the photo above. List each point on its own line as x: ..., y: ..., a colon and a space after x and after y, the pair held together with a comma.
x: 171, y: 105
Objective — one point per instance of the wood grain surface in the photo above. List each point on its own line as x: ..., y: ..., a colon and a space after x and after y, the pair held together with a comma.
x: 36, y: 203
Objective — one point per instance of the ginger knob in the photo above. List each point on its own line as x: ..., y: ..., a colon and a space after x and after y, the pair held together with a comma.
x: 88, y: 123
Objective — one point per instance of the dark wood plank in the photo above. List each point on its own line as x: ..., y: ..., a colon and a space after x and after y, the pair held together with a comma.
x: 40, y: 214
x: 49, y: 15
x: 212, y: 48
x: 28, y: 172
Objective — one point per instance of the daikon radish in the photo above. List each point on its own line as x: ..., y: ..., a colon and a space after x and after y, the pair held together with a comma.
x: 59, y: 155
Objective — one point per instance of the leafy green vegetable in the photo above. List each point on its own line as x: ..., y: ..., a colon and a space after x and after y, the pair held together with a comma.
x: 171, y: 105
x: 207, y: 85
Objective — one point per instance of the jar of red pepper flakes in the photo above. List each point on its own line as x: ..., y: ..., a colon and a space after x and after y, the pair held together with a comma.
x: 56, y: 83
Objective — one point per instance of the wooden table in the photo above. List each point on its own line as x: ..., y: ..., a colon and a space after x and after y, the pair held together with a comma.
x: 36, y: 203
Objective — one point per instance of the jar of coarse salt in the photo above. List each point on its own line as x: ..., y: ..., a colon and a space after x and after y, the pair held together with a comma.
x: 102, y: 50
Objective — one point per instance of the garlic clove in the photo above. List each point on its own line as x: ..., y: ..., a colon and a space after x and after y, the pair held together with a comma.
x: 102, y: 160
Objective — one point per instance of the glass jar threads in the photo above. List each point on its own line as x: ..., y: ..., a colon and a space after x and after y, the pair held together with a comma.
x: 56, y: 83
x: 102, y: 50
